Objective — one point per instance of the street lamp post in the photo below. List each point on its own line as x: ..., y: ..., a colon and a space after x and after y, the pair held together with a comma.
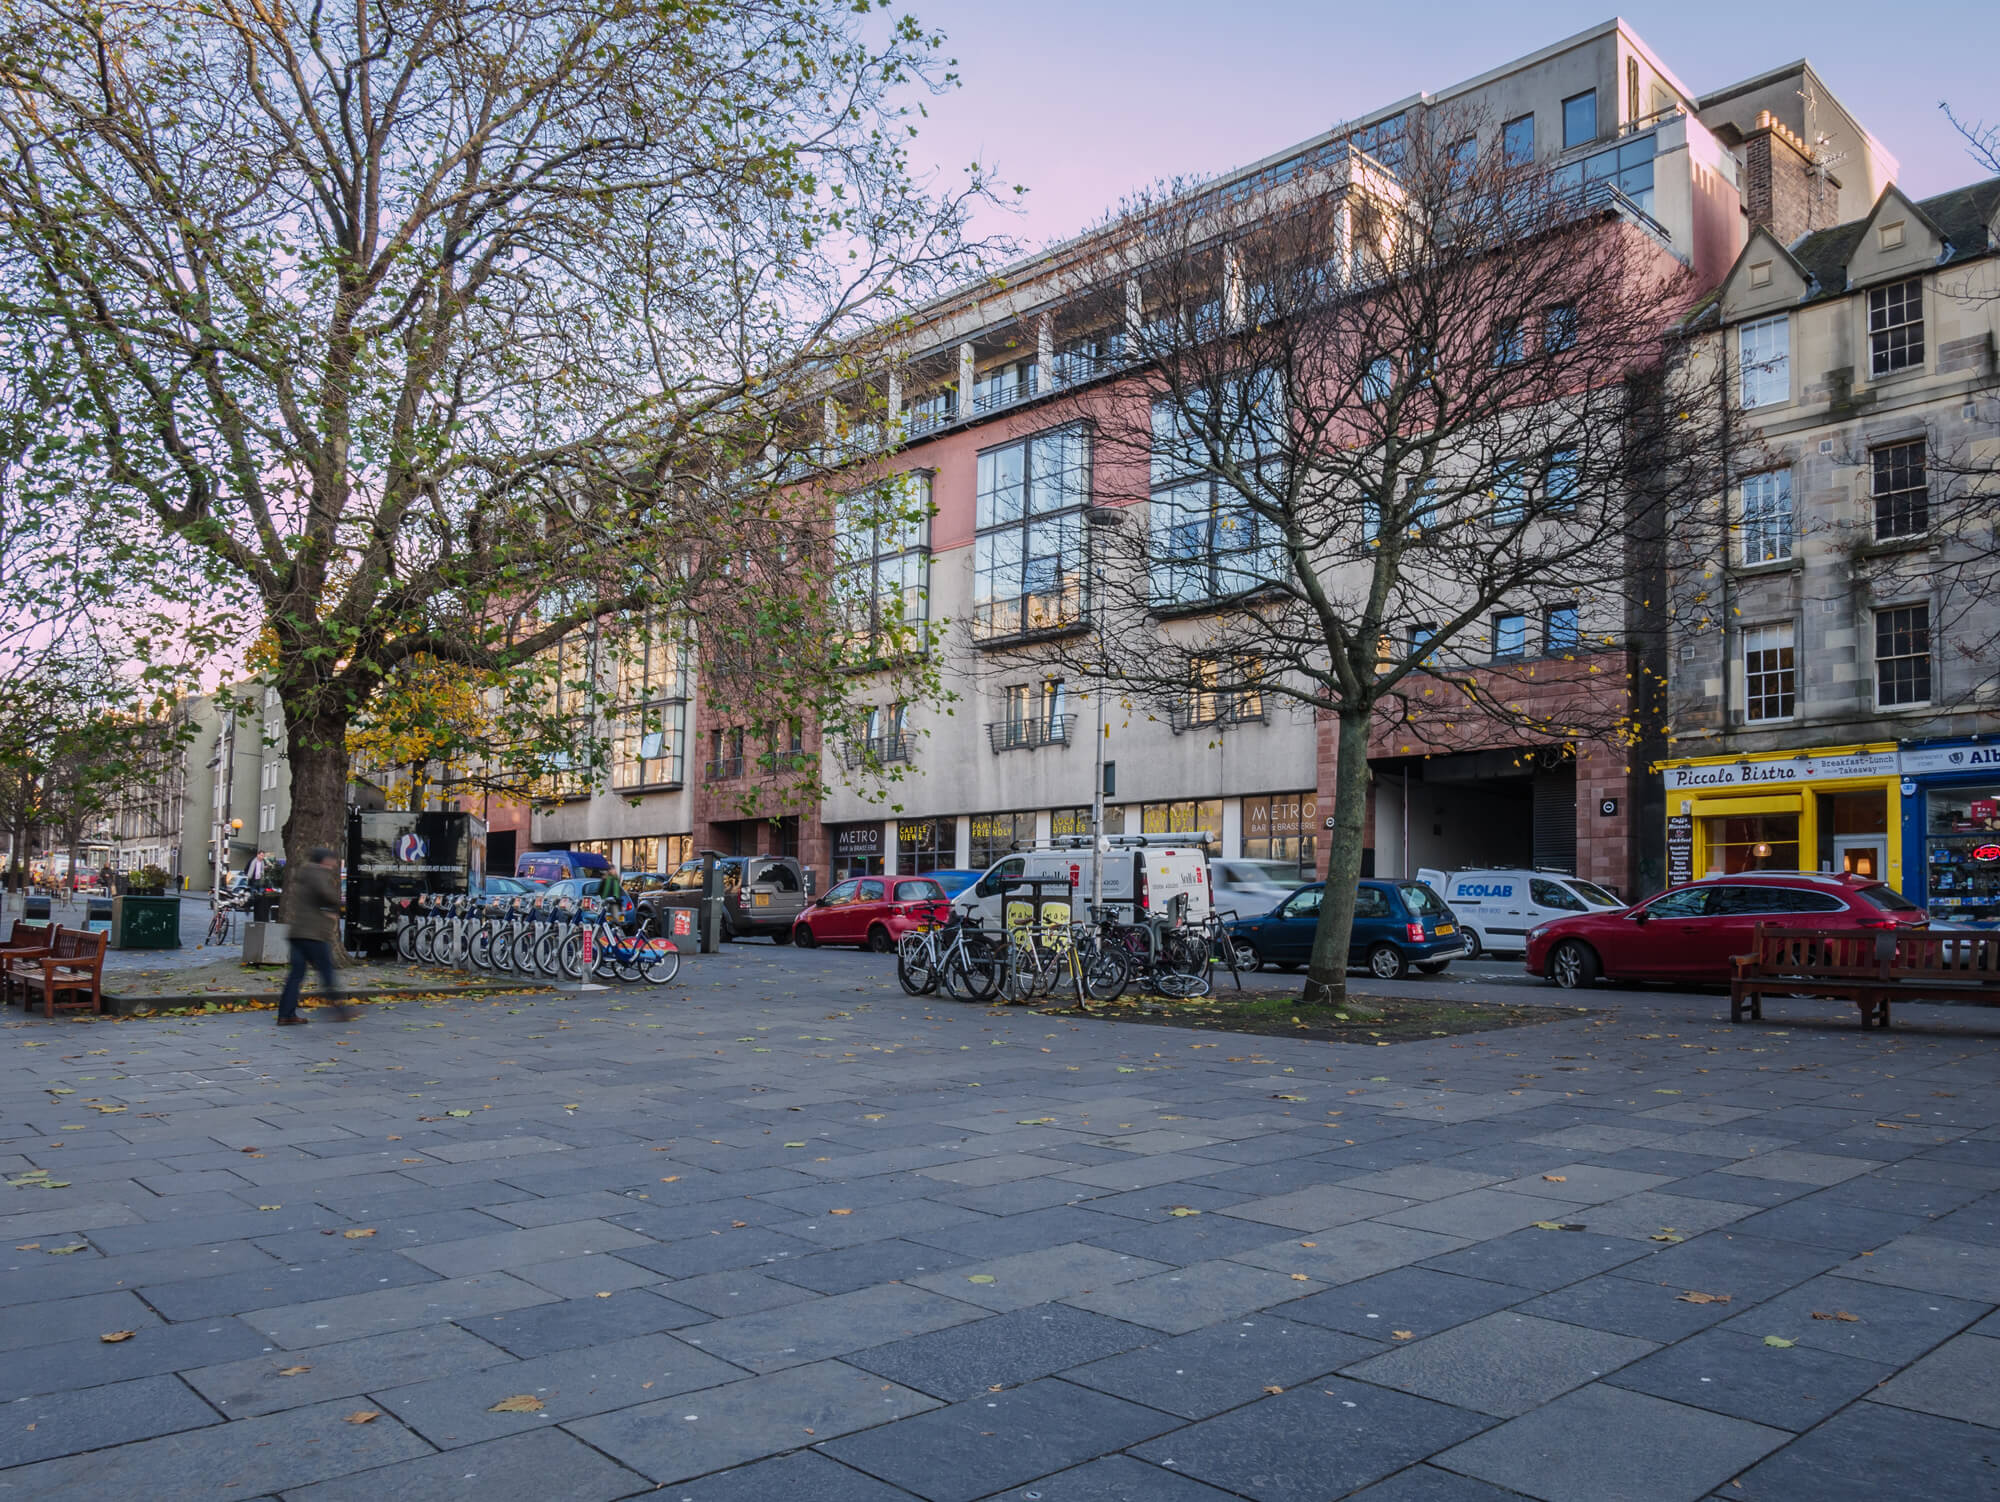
x: 1103, y: 519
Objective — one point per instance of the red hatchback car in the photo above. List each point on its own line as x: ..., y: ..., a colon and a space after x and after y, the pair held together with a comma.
x: 874, y: 911
x: 1690, y: 933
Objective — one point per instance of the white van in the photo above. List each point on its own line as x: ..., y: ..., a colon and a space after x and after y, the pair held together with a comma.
x: 1138, y: 877
x: 1497, y: 908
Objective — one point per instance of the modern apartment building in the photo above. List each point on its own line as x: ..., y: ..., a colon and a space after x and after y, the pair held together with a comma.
x: 979, y: 393
x: 1832, y: 708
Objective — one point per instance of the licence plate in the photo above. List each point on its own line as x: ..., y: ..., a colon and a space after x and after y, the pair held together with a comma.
x: 760, y: 899
x: 1445, y: 928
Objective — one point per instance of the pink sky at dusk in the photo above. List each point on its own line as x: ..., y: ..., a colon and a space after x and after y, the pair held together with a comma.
x: 1082, y: 101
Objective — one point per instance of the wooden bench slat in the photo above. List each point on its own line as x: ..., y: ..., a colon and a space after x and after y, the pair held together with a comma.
x: 1869, y: 967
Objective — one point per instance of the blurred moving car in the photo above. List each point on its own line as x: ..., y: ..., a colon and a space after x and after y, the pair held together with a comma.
x: 571, y: 887
x: 506, y: 886
x: 1252, y: 886
x: 559, y: 865
x: 1398, y: 925
x: 1690, y: 933
x: 872, y: 911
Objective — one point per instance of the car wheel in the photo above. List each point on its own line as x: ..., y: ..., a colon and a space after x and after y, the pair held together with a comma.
x: 781, y: 936
x: 1473, y: 947
x: 1574, y: 966
x: 1386, y: 962
x: 1247, y: 958
x: 1434, y: 967
x: 879, y: 941
x: 803, y: 937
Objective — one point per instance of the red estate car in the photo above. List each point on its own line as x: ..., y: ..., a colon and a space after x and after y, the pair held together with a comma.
x: 1690, y: 933
x: 875, y: 911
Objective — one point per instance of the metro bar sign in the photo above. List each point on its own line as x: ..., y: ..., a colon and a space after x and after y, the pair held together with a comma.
x: 1782, y: 771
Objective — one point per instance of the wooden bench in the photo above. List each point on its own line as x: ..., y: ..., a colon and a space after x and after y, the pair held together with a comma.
x: 73, y: 966
x: 25, y: 943
x: 1869, y: 967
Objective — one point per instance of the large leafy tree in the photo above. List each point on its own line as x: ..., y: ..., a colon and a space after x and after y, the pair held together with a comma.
x: 440, y: 330
x: 1371, y: 407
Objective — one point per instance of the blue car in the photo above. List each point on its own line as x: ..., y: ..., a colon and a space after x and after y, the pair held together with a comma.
x: 954, y: 882
x: 1397, y: 925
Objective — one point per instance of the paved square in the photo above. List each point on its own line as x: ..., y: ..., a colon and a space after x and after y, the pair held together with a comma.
x: 780, y: 1231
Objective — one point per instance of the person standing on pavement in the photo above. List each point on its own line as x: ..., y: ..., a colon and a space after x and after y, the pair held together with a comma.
x: 314, y: 893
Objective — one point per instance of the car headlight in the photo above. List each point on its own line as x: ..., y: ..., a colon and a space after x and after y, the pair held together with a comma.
x: 1537, y: 931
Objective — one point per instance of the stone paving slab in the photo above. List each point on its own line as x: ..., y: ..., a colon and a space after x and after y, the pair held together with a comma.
x: 735, y: 1242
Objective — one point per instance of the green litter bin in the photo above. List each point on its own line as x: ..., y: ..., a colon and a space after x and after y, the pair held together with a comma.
x: 146, y: 923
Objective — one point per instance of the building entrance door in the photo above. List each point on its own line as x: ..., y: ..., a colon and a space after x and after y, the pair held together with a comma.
x: 1858, y: 854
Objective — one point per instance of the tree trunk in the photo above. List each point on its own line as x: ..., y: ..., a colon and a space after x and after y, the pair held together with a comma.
x: 318, y: 752
x: 1326, y: 975
x: 416, y: 787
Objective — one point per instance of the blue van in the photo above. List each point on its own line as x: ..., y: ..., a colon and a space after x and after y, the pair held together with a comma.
x: 1397, y: 925
x: 560, y: 865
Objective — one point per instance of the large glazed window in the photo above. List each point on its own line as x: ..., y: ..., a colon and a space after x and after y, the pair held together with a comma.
x: 882, y: 540
x: 1208, y: 540
x: 1028, y: 560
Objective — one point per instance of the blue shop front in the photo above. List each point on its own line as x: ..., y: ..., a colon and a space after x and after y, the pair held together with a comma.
x: 1951, y: 828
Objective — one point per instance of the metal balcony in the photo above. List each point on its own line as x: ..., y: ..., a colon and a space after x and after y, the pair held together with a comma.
x: 884, y: 748
x: 1219, y: 712
x: 1027, y: 734
x: 723, y: 769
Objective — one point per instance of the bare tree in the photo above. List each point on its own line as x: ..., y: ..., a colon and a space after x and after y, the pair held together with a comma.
x: 433, y: 329
x: 1370, y: 412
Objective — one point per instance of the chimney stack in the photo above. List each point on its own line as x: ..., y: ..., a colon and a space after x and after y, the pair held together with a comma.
x: 1778, y: 191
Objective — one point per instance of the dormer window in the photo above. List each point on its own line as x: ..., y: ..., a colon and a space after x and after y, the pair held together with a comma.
x: 1890, y: 236
x: 1896, y: 326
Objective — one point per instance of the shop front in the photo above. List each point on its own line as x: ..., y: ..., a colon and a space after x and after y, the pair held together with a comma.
x: 857, y: 850
x: 1951, y: 824
x: 1837, y: 809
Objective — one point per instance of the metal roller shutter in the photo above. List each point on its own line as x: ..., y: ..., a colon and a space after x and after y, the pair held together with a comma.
x: 1555, y: 819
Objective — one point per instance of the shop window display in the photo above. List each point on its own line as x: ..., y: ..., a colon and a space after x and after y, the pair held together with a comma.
x: 1753, y: 842
x: 1962, y: 851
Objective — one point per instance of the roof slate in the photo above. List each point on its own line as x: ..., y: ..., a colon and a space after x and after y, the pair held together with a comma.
x: 1960, y: 215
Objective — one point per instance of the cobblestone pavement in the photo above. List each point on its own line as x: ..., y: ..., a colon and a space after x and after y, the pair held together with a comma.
x: 778, y: 1232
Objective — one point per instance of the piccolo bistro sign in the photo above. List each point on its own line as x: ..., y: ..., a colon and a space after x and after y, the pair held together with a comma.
x: 1782, y: 771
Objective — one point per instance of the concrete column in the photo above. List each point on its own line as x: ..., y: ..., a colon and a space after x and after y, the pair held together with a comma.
x: 829, y: 416
x: 894, y: 400
x: 1343, y: 242
x: 1235, y: 301
x: 1045, y: 350
x: 1232, y: 828
x: 889, y: 847
x: 963, y: 847
x: 1135, y: 309
x: 968, y: 377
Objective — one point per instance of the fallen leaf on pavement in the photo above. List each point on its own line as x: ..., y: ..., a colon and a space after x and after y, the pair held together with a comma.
x: 64, y: 1251
x: 1556, y: 1178
x: 1183, y: 1210
x: 364, y: 1416
x: 840, y: 1212
x: 520, y: 1403
x: 357, y: 1235
x: 1840, y: 1314
x: 1691, y: 1297
x: 1402, y: 1334
x: 979, y: 1277
x: 112, y: 1337
x: 293, y: 1371
x: 1274, y: 1389
x: 458, y: 1113
x: 1300, y: 1278
x: 1779, y: 1341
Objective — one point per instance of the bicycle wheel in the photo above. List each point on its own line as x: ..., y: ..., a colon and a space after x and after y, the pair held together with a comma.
x: 916, y: 964
x: 1106, y: 972
x: 605, y: 964
x: 972, y: 969
x: 479, y: 948
x: 658, y: 963
x: 406, y: 939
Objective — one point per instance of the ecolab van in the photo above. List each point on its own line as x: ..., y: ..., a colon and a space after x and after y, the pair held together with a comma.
x: 1139, y: 878
x: 1497, y: 908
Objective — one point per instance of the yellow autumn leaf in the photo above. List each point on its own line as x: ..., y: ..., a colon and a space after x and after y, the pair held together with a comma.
x: 1779, y: 1341
x: 1183, y: 1210
x: 357, y: 1235
x: 363, y: 1416
x: 113, y: 1337
x: 293, y: 1371
x: 519, y: 1403
x: 979, y: 1277
x: 1402, y: 1334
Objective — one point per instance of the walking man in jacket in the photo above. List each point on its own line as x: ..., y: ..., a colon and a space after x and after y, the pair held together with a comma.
x: 313, y: 893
